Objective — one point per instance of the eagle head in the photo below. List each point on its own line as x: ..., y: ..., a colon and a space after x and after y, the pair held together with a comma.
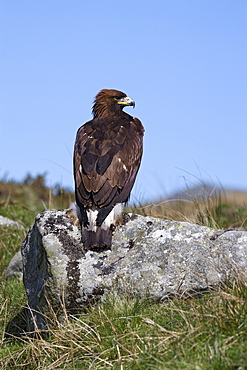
x: 109, y: 100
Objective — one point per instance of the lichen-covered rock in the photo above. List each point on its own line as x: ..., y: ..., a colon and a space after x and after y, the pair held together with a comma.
x: 150, y: 257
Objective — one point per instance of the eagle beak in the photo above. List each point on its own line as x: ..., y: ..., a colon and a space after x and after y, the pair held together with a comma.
x: 126, y: 101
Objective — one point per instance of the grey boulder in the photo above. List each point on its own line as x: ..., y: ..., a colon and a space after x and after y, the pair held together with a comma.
x: 150, y: 257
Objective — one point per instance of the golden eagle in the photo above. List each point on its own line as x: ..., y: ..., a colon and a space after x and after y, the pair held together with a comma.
x: 107, y: 156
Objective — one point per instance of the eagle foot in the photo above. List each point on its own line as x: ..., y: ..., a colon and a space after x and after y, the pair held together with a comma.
x: 71, y: 214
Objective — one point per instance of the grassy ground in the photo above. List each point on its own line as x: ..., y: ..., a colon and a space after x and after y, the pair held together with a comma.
x: 203, y: 333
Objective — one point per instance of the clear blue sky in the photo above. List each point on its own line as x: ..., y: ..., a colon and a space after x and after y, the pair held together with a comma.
x: 183, y: 62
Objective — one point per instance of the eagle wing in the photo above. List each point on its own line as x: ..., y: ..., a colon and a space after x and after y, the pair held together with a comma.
x: 107, y: 157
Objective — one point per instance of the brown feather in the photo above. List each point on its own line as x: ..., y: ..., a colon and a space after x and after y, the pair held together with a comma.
x: 107, y: 156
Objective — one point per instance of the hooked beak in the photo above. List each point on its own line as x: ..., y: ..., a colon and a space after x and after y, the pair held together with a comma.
x: 126, y: 101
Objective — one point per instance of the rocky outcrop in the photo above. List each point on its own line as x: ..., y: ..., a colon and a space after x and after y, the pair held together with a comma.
x: 150, y: 257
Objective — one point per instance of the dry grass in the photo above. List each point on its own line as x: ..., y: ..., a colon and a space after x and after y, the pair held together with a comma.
x: 217, y: 209
x: 123, y: 333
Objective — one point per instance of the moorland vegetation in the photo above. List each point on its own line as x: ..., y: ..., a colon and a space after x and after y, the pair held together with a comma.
x: 200, y: 333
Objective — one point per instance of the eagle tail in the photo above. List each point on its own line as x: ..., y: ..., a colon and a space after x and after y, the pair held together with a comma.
x: 99, y: 239
x: 97, y: 225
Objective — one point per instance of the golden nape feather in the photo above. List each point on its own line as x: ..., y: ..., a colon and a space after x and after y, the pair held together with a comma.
x: 107, y: 156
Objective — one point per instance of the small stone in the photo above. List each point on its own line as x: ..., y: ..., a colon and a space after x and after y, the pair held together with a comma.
x: 4, y: 221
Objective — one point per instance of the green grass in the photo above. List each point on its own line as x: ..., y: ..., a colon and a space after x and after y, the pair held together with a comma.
x: 125, y: 333
x: 206, y: 333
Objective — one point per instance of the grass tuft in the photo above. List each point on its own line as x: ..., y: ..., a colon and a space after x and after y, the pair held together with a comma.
x: 129, y: 333
x: 217, y: 209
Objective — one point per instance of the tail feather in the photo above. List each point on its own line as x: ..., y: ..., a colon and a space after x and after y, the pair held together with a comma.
x: 96, y: 230
x: 101, y: 239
